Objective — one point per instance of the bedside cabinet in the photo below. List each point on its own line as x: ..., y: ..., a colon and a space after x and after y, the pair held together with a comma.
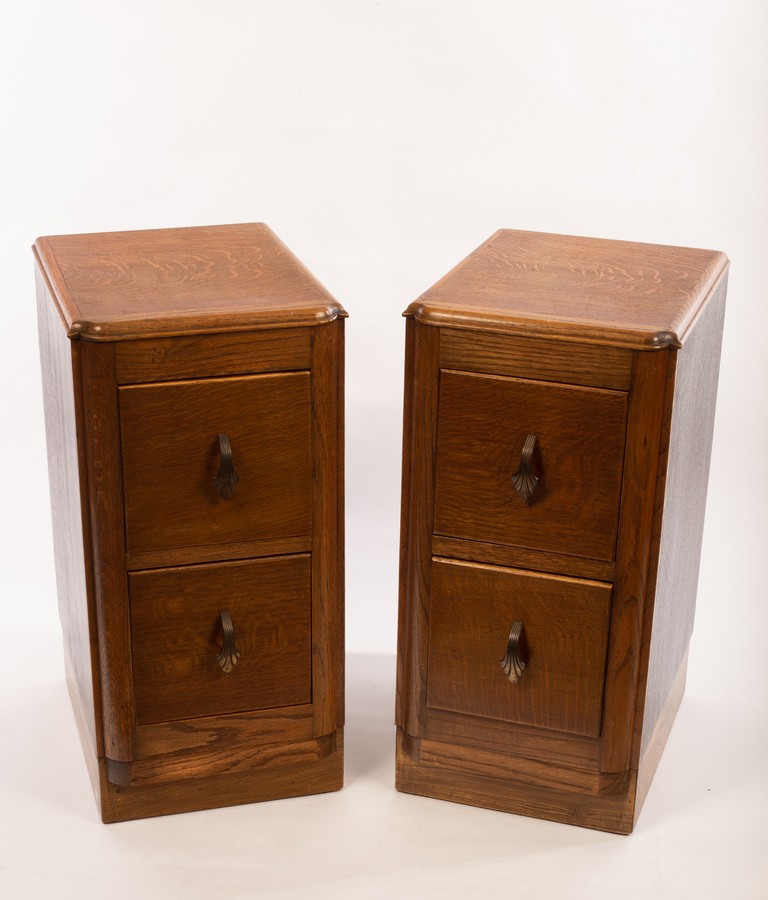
x: 193, y: 387
x: 559, y: 403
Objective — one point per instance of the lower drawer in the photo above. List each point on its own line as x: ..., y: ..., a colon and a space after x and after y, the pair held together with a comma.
x: 180, y: 629
x: 563, y: 643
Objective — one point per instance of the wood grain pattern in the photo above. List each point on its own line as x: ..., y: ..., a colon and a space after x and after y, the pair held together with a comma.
x: 176, y: 635
x: 615, y: 293
x: 180, y: 329
x: 210, y: 355
x: 522, y: 558
x: 181, y: 281
x: 205, y: 733
x: 182, y: 556
x: 495, y: 764
x: 679, y: 523
x: 513, y: 739
x: 295, y: 779
x: 419, y: 442
x: 638, y: 323
x: 101, y: 429
x: 566, y: 624
x: 60, y: 370
x: 171, y: 456
x: 633, y: 557
x: 328, y: 527
x: 608, y: 810
x: 506, y: 354
x: 484, y: 421
x: 662, y: 726
x: 225, y: 757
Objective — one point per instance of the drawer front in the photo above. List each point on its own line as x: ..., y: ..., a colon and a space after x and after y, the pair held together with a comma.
x: 178, y: 641
x: 172, y: 454
x: 563, y: 645
x: 484, y: 422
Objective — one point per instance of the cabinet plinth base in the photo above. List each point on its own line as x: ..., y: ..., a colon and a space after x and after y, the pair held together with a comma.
x: 319, y: 776
x: 605, y: 811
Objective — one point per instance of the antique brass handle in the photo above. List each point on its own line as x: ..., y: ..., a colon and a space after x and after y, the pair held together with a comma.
x: 229, y: 654
x: 524, y: 480
x: 513, y: 663
x: 226, y: 478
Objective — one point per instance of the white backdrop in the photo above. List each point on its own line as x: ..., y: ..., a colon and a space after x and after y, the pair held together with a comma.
x: 383, y: 141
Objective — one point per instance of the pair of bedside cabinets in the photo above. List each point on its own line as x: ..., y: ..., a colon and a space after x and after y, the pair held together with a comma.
x: 559, y: 403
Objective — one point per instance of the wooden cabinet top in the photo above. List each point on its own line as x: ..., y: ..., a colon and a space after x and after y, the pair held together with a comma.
x: 175, y: 281
x: 639, y: 296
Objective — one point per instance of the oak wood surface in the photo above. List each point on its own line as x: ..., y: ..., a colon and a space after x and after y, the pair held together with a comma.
x: 171, y: 456
x: 324, y: 772
x: 506, y: 354
x: 101, y: 429
x: 483, y: 423
x: 681, y: 498
x: 229, y: 760
x: 653, y: 746
x: 174, y: 322
x: 645, y: 323
x: 176, y: 281
x: 181, y: 556
x: 176, y: 634
x: 62, y: 399
x: 633, y: 557
x: 513, y: 739
x: 615, y: 293
x: 499, y: 765
x: 210, y: 355
x: 328, y: 527
x: 609, y: 810
x: 212, y: 733
x: 417, y: 521
x: 566, y: 629
x: 522, y: 558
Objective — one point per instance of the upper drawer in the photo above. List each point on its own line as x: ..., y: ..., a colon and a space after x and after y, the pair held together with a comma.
x: 563, y: 640
x: 179, y: 617
x: 171, y: 455
x: 483, y: 425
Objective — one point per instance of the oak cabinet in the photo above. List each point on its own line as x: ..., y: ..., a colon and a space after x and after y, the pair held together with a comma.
x: 559, y: 407
x: 193, y: 386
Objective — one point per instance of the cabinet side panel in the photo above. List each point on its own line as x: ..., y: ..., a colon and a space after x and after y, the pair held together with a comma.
x: 59, y: 363
x: 685, y: 494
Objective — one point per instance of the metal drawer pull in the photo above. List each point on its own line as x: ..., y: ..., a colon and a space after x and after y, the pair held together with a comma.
x: 229, y: 654
x: 226, y: 478
x: 524, y: 480
x: 513, y: 663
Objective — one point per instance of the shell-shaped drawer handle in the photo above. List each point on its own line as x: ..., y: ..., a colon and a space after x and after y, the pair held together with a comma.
x: 514, y: 663
x: 226, y: 478
x: 229, y: 654
x: 524, y: 480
